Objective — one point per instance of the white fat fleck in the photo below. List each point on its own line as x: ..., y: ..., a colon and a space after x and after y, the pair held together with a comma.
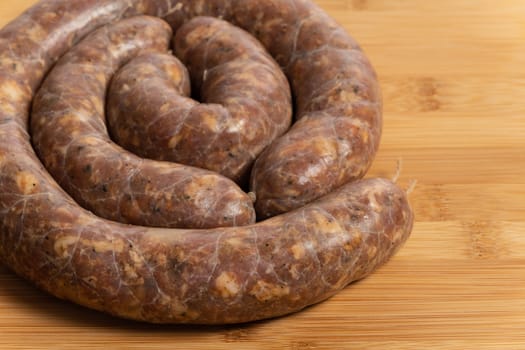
x: 373, y: 202
x: 11, y: 91
x: 84, y: 116
x: 227, y: 284
x: 312, y: 172
x: 105, y: 246
x: 62, y: 244
x: 174, y: 9
x: 298, y: 251
x: 233, y: 209
x: 334, y: 242
x: 309, y: 245
x: 265, y: 291
x: 344, y: 149
x: 119, y: 50
x: 237, y: 126
x: 26, y: 182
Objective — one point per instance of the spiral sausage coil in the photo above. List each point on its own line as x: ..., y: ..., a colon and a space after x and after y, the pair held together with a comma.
x: 121, y: 192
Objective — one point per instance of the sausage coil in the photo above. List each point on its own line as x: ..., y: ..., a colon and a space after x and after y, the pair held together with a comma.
x: 163, y: 242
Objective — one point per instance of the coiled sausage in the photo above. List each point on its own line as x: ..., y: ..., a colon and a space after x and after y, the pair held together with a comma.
x: 215, y: 275
x: 70, y: 136
x: 248, y: 102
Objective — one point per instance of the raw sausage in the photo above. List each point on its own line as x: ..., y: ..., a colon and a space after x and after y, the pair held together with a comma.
x: 207, y: 276
x: 69, y: 135
x: 331, y: 80
x: 338, y: 107
x: 222, y: 275
x: 248, y: 101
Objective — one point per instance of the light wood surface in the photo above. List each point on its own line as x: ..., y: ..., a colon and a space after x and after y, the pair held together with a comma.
x: 453, y: 79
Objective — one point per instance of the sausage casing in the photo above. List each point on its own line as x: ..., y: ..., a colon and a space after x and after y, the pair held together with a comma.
x: 211, y: 276
x: 247, y: 101
x: 70, y: 136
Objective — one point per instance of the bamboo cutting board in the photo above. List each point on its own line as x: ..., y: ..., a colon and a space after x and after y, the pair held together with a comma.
x: 453, y: 79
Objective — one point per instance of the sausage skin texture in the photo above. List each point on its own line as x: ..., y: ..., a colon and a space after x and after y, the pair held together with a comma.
x: 247, y: 96
x: 331, y: 79
x: 70, y: 137
x: 208, y: 276
x: 338, y: 108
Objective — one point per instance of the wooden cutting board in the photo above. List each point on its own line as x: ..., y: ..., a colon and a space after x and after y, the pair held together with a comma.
x: 453, y: 79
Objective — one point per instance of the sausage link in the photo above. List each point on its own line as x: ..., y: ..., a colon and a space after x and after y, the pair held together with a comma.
x: 207, y: 276
x: 70, y: 137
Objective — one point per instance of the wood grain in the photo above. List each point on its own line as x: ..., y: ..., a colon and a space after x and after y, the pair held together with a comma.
x: 454, y: 90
